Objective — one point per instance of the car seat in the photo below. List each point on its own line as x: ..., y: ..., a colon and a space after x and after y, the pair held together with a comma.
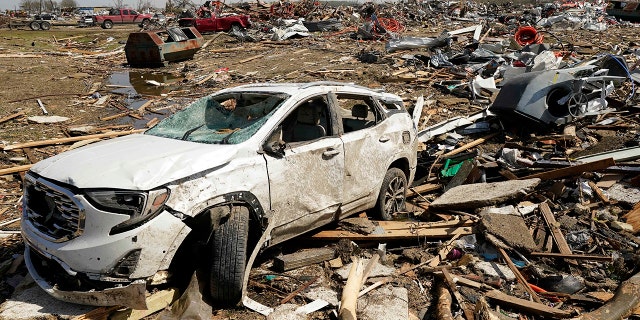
x: 307, y: 125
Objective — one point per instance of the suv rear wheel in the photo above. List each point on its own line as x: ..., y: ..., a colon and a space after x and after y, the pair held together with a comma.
x: 391, y: 198
x: 229, y: 255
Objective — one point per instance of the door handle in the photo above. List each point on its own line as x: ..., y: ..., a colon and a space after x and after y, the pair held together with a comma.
x: 384, y: 139
x: 330, y: 153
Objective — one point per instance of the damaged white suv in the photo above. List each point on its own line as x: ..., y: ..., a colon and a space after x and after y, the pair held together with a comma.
x: 234, y: 172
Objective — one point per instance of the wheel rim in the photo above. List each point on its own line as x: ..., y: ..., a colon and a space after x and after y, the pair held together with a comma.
x: 394, y: 196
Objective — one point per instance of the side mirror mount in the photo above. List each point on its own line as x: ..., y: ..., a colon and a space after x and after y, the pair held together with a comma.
x: 274, y: 146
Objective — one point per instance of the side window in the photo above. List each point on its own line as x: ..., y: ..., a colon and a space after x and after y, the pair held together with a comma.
x: 309, y: 121
x: 133, y: 12
x: 357, y: 112
x: 125, y: 12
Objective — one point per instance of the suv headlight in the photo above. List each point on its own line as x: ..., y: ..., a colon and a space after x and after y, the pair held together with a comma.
x: 138, y: 205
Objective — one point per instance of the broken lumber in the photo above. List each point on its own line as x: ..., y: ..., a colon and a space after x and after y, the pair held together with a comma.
x: 15, y: 169
x: 468, y: 312
x: 625, y: 300
x: 297, y: 291
x: 392, y: 234
x: 470, y: 145
x: 526, y: 305
x: 302, y: 258
x: 519, y: 276
x: 155, y: 302
x: 71, y: 139
x: 349, y: 299
x: 101, y: 313
x: 572, y: 256
x: 11, y: 116
x: 556, y: 233
x: 443, y: 307
x: 573, y: 170
x: 415, y: 191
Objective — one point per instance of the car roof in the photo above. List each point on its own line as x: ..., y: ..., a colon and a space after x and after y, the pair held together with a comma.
x: 294, y: 88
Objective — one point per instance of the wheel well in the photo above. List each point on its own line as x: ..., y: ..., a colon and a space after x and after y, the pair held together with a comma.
x: 402, y: 164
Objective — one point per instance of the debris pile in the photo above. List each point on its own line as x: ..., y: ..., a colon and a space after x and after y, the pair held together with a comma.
x: 526, y: 203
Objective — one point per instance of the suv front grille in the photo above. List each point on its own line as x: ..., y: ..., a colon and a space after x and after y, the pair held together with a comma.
x: 52, y: 209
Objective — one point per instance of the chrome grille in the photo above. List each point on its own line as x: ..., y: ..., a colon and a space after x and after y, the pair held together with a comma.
x: 52, y: 209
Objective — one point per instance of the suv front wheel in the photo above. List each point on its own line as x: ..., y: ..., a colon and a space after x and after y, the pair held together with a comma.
x: 391, y: 198
x: 229, y: 257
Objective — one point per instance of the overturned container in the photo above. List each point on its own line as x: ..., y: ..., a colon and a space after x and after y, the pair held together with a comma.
x: 159, y: 47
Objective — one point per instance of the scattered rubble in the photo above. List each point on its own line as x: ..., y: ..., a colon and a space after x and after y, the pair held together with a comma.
x: 526, y: 201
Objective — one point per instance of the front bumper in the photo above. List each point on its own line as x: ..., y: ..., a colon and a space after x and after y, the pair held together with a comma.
x: 131, y: 295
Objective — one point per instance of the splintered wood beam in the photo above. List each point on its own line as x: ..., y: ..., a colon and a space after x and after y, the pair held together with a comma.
x: 302, y: 258
x: 573, y: 170
x: 519, y: 276
x: 526, y: 305
x: 15, y: 169
x: 11, y: 116
x: 468, y: 311
x: 556, y: 233
x: 71, y: 139
x: 422, y: 189
x: 470, y: 145
x: 392, y: 234
x: 571, y: 256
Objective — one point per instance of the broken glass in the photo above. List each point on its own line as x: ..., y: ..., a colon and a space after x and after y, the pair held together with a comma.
x: 224, y: 119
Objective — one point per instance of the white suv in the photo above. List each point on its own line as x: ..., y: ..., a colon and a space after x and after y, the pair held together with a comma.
x: 234, y: 172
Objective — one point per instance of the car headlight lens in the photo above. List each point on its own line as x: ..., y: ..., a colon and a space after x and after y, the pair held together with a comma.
x: 139, y: 206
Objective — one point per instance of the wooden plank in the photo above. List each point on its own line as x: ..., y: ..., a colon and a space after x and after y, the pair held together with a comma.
x: 15, y: 169
x: 302, y: 258
x: 466, y: 308
x: 556, y: 233
x: 572, y: 256
x: 525, y: 305
x: 11, y: 116
x: 412, y: 225
x: 573, y: 170
x: 71, y: 139
x: 470, y: 145
x: 444, y: 251
x: 101, y: 313
x: 519, y: 276
x: 392, y: 234
x: 425, y: 188
x: 601, y: 195
x: 155, y: 302
x: 251, y: 58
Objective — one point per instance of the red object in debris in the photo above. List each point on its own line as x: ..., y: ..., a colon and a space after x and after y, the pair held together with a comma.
x: 528, y: 35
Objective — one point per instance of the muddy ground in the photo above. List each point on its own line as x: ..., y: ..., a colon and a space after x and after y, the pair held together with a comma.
x: 66, y: 66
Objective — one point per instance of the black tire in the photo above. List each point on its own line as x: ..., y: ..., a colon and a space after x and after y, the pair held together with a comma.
x: 229, y: 257
x: 107, y: 24
x: 45, y: 25
x: 236, y: 28
x: 392, y: 196
x: 34, y: 25
x: 144, y: 23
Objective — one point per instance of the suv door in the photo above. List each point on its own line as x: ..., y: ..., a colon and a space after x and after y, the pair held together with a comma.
x: 370, y: 144
x: 306, y: 182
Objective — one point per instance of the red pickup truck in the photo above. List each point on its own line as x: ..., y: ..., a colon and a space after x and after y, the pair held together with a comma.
x: 121, y: 16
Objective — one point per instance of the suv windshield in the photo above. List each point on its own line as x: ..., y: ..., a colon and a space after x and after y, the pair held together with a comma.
x: 227, y: 119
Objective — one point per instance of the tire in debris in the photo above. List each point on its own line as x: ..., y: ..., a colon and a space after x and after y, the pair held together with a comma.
x: 45, y: 25
x: 392, y: 196
x: 34, y: 25
x: 229, y: 257
x: 107, y: 24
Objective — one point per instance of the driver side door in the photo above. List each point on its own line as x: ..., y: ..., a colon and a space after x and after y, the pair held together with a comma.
x: 306, y: 181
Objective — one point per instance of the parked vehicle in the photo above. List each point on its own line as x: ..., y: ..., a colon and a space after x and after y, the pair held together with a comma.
x: 217, y: 23
x: 121, y: 16
x: 233, y: 173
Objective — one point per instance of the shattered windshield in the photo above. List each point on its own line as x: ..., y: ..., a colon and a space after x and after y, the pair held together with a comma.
x: 224, y: 119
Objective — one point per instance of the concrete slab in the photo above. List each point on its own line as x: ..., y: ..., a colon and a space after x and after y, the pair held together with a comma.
x: 477, y: 195
x: 492, y: 269
x: 509, y: 228
x: 31, y: 302
x: 624, y: 193
x: 378, y: 270
x: 389, y: 303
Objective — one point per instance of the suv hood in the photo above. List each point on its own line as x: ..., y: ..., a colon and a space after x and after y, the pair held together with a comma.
x: 134, y: 162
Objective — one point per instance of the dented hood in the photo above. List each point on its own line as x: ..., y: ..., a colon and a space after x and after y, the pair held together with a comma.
x: 134, y: 162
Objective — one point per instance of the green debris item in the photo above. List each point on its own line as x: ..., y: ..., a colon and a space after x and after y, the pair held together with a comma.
x: 451, y: 168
